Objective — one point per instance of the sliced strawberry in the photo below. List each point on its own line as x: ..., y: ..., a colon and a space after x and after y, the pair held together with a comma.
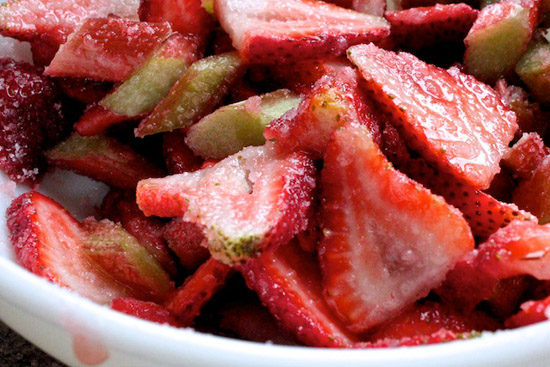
x: 428, y: 318
x: 387, y: 240
x: 441, y: 336
x: 425, y: 26
x: 264, y: 31
x: 335, y: 101
x: 31, y: 119
x: 43, y: 50
x: 149, y: 311
x: 49, y: 242
x: 253, y: 322
x: 56, y: 19
x: 103, y: 159
x: 96, y: 120
x: 178, y: 156
x: 123, y: 257
x: 433, y: 108
x: 531, y: 313
x: 186, y: 303
x: 85, y: 90
x: 186, y: 240
x: 533, y: 194
x: 526, y: 155
x: 288, y: 282
x: 121, y: 207
x: 107, y: 49
x: 185, y: 16
x: 245, y: 203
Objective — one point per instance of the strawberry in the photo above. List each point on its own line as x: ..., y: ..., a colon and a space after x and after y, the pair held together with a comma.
x: 428, y: 318
x: 178, y: 156
x: 186, y: 303
x: 123, y: 257
x: 287, y: 281
x: 245, y: 203
x: 186, y: 240
x: 420, y: 27
x: 148, y: 311
x: 433, y: 109
x: 54, y: 20
x: 441, y: 336
x: 103, y: 159
x: 49, y: 242
x: 335, y: 101
x: 121, y: 207
x: 533, y: 195
x: 185, y: 16
x: 526, y: 155
x: 31, y: 119
x: 382, y: 231
x: 107, y: 49
x: 85, y: 90
x: 96, y: 120
x: 531, y: 313
x: 265, y: 32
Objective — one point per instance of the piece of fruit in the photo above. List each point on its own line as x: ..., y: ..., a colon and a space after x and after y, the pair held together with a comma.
x: 499, y: 37
x: 85, y: 90
x: 125, y: 259
x: 450, y: 118
x: 151, y: 81
x: 264, y: 31
x: 441, y: 336
x: 425, y: 26
x: 531, y: 313
x: 31, y: 119
x: 185, y: 304
x: 49, y: 242
x: 534, y: 70
x: 288, y: 282
x: 335, y: 101
x: 245, y: 203
x: 231, y: 128
x: 194, y: 95
x: 107, y: 49
x: 526, y: 155
x: 103, y: 159
x: 178, y: 156
x: 149, y: 311
x: 387, y: 240
x: 96, y: 120
x: 187, y: 241
x: 533, y: 194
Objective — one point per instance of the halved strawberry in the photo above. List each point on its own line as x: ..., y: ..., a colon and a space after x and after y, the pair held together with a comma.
x: 526, y: 155
x: 531, y: 313
x: 288, y: 282
x: 186, y: 303
x: 107, y: 49
x: 387, y: 240
x: 335, y: 101
x: 178, y: 156
x: 49, y: 242
x: 245, y: 203
x: 103, y: 159
x: 425, y: 26
x: 31, y: 119
x: 186, y: 240
x: 450, y: 118
x: 149, y: 311
x: 266, y: 31
x: 533, y: 194
x: 123, y: 257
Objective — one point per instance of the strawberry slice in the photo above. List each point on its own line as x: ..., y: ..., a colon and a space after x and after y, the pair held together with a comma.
x: 31, y: 119
x: 441, y: 336
x: 425, y: 26
x: 387, y: 240
x: 103, y: 159
x: 532, y: 194
x: 245, y: 203
x: 433, y: 109
x: 178, y: 156
x: 186, y: 240
x: 96, y: 120
x: 186, y: 303
x: 288, y: 282
x: 264, y: 31
x: 531, y: 313
x: 526, y: 155
x: 49, y: 242
x: 149, y: 311
x: 107, y: 49
x: 335, y: 101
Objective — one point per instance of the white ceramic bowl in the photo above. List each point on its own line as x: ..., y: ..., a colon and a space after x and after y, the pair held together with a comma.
x: 76, y: 330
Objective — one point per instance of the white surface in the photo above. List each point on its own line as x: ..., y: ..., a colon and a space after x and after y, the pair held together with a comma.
x: 50, y: 316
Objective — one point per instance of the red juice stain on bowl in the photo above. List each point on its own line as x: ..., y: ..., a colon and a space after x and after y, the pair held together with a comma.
x: 88, y: 350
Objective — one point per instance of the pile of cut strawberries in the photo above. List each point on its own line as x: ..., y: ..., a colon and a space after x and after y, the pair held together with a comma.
x: 348, y: 173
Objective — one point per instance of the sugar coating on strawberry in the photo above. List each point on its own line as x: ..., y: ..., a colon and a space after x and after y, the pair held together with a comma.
x: 268, y: 31
x: 31, y: 119
x: 49, y: 242
x: 387, y: 240
x: 245, y: 203
x: 423, y: 26
x: 14, y: 49
x: 526, y: 155
x: 453, y: 120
